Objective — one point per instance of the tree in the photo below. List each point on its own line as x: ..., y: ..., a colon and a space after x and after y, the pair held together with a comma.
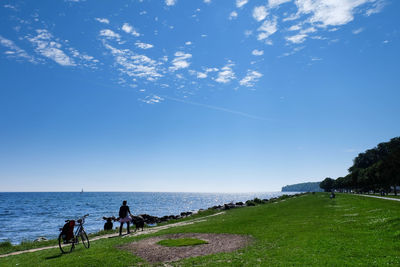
x: 327, y: 184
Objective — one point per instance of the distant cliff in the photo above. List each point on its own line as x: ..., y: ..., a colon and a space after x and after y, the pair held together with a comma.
x: 303, y: 187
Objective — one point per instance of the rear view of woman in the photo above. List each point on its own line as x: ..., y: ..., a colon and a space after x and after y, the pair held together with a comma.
x: 124, y: 213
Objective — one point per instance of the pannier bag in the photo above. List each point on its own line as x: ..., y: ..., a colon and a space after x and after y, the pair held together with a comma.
x: 68, y: 230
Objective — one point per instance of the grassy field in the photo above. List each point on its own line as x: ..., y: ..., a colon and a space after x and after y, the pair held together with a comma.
x: 310, y: 230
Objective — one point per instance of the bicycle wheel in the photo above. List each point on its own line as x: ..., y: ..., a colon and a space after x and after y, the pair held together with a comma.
x: 85, y: 239
x: 66, y: 246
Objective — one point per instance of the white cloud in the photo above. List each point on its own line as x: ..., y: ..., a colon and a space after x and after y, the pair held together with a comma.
x: 297, y: 39
x: 376, y: 8
x: 180, y: 61
x: 15, y: 51
x: 226, y: 74
x: 201, y: 75
x: 211, y: 70
x: 129, y: 29
x: 251, y: 78
x: 233, y: 15
x: 308, y: 30
x: 294, y: 51
x: 170, y: 2
x: 103, y: 20
x: 46, y: 46
x: 240, y: 3
x: 357, y: 31
x: 85, y: 60
x: 256, y: 52
x: 188, y: 43
x: 268, y: 28
x: 207, y: 1
x: 329, y: 12
x: 10, y: 7
x: 275, y: 3
x: 109, y: 34
x: 260, y: 13
x: 144, y: 45
x: 134, y: 65
x: 295, y: 28
x: 153, y: 99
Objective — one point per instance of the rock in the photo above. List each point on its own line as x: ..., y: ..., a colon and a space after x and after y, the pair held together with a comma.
x: 40, y: 239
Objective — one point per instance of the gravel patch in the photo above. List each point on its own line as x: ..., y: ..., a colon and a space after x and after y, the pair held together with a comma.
x: 149, y: 250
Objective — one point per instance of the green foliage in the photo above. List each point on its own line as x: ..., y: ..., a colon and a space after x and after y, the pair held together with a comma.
x: 377, y: 169
x: 250, y: 203
x: 258, y: 201
x: 181, y: 242
x: 5, y: 245
x: 327, y: 184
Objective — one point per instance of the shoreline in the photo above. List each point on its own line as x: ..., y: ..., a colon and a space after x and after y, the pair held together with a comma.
x: 162, y: 221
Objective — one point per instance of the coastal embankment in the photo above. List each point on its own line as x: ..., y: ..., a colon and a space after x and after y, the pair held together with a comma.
x: 308, y: 230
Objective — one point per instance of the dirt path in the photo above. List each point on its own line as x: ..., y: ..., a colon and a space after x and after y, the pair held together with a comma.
x: 146, y: 231
x: 387, y: 198
x: 149, y: 250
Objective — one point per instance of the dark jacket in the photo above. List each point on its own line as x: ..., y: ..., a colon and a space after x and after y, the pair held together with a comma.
x: 124, y: 211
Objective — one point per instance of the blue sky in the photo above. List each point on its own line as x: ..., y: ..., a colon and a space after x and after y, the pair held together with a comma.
x: 199, y: 95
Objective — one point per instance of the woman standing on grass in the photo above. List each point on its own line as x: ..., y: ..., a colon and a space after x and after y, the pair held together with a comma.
x: 124, y: 213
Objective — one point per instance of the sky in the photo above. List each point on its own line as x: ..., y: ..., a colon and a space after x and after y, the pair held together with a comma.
x: 193, y: 96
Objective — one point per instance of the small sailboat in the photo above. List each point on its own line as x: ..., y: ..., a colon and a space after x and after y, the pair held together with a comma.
x: 82, y: 191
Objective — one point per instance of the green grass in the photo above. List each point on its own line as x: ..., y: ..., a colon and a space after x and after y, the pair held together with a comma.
x: 310, y: 230
x: 181, y: 242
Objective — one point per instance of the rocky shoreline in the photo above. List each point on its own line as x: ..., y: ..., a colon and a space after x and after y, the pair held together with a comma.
x: 152, y: 220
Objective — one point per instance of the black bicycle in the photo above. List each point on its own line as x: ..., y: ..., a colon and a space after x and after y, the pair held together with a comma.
x: 68, y: 239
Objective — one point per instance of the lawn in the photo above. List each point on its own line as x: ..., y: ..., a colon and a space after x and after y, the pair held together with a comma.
x: 310, y: 230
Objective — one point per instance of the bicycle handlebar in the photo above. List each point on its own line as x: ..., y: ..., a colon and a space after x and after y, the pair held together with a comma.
x: 82, y: 218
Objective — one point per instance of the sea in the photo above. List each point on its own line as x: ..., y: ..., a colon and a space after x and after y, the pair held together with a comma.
x: 29, y: 215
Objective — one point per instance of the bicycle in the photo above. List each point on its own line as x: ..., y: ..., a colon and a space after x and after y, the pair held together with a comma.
x: 67, y: 241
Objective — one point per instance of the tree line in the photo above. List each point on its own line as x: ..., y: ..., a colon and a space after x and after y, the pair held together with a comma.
x: 377, y: 170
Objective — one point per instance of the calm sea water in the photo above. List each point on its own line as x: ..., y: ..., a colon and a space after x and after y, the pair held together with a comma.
x: 26, y: 216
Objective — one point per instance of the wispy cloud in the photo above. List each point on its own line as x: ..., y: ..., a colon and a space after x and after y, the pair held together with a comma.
x: 268, y: 28
x: 152, y: 99
x: 109, y: 34
x: 256, y: 52
x: 276, y: 3
x: 260, y: 13
x: 15, y: 51
x: 357, y: 31
x: 226, y: 74
x: 241, y: 3
x: 243, y: 114
x: 329, y: 13
x: 103, y: 20
x: 48, y: 47
x: 297, y: 39
x: 130, y: 29
x: 233, y: 15
x: 251, y: 78
x: 180, y: 61
x: 144, y: 45
x: 133, y: 64
x: 376, y: 8
x: 170, y: 2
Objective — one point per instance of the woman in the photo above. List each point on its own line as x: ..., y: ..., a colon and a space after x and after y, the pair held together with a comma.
x: 124, y: 213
